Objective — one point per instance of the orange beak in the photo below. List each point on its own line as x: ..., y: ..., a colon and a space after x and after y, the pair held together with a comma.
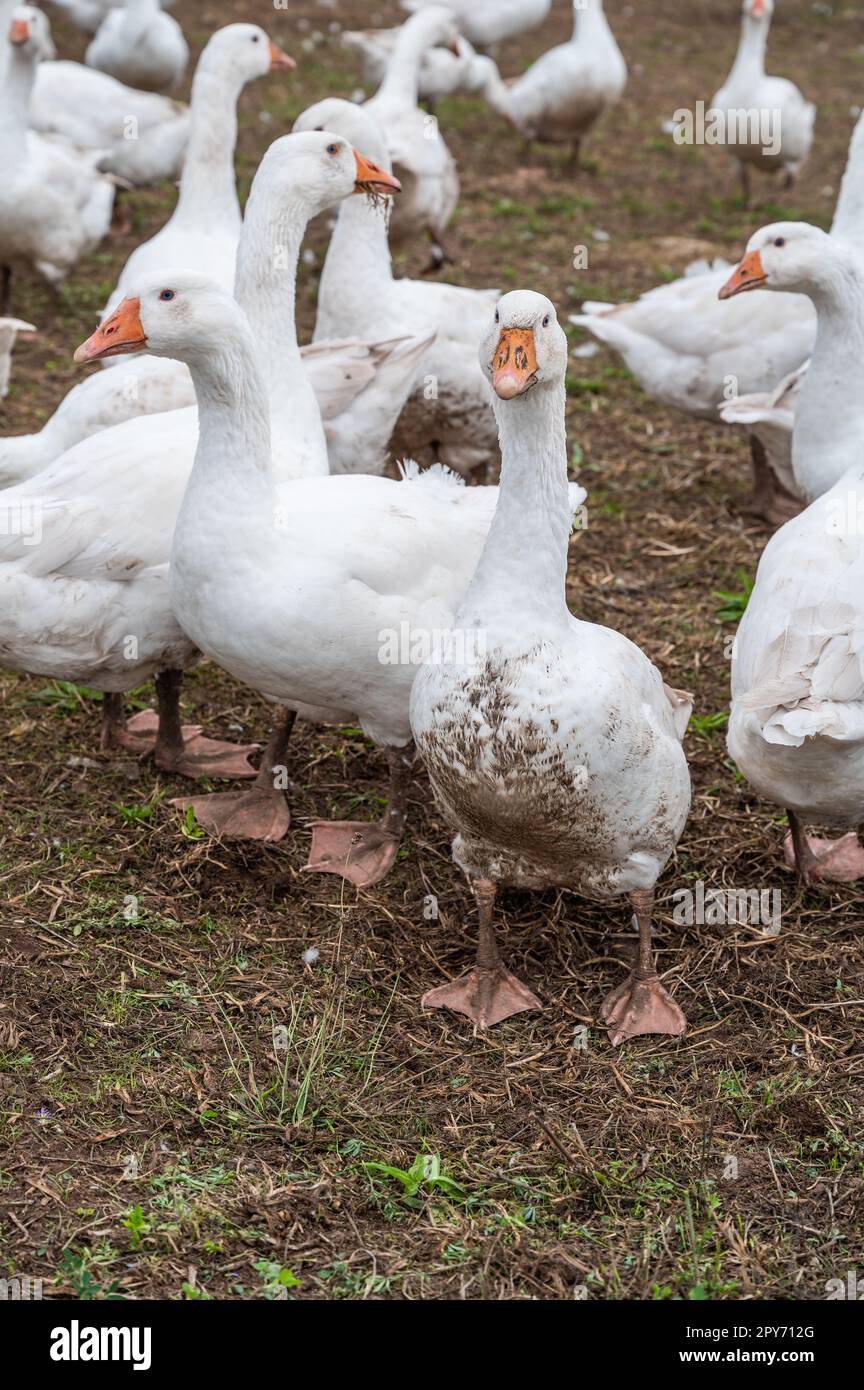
x: 280, y: 61
x: 120, y: 333
x: 757, y: 9
x: 515, y: 362
x: 747, y: 275
x: 19, y: 31
x: 371, y: 178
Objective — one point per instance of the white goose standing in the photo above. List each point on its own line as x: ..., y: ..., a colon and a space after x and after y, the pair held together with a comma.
x: 204, y: 228
x: 140, y: 45
x: 358, y: 295
x: 796, y: 728
x: 553, y: 745
x: 421, y: 160
x: 748, y: 89
x: 54, y: 204
x: 567, y: 90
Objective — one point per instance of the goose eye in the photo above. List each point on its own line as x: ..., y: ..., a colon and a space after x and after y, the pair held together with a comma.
x: 168, y: 294
x: 496, y: 315
x: 779, y: 241
x: 546, y: 322
x: 255, y: 38
x: 332, y: 149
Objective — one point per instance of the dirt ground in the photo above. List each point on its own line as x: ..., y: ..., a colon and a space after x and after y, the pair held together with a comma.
x: 188, y: 1108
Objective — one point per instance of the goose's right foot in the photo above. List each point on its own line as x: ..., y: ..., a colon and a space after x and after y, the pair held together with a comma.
x: 816, y: 860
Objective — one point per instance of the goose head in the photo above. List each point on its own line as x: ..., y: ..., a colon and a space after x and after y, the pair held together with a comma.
x: 172, y: 313
x: 791, y: 256
x: 314, y: 169
x: 349, y: 120
x: 434, y: 27
x: 760, y: 10
x: 526, y: 347
x: 242, y: 52
x: 30, y: 33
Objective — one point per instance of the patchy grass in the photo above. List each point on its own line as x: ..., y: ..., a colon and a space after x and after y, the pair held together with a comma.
x: 189, y: 1109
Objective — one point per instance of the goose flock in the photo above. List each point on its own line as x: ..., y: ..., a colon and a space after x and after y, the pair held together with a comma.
x: 279, y: 509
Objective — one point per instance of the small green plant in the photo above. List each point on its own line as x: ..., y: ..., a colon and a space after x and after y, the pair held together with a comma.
x: 424, y: 1173
x: 276, y: 1278
x: 189, y: 827
x: 735, y: 603
x: 137, y: 1225
x: 709, y: 723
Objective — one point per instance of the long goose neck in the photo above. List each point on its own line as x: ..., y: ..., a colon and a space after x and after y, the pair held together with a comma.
x: 525, y: 554
x: 401, y: 80
x: 849, y: 214
x: 750, y: 58
x: 357, y: 267
x: 233, y: 453
x: 588, y: 21
x: 17, y: 83
x: 208, y: 186
x: 827, y: 435
x: 266, y: 288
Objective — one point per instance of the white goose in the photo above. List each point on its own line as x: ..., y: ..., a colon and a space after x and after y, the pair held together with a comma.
x: 553, y: 745
x: 442, y: 73
x: 204, y: 228
x: 297, y: 599
x: 421, y: 160
x: 692, y: 352
x: 140, y: 45
x: 796, y: 728
x: 487, y: 23
x: 357, y: 295
x: 89, y: 14
x: 107, y: 507
x: 567, y: 90
x: 55, y: 206
x: 748, y: 89
x: 9, y: 330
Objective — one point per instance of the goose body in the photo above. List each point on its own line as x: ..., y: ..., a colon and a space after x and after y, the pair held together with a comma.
x: 141, y: 46
x: 90, y: 14
x: 796, y: 727
x: 357, y: 294
x: 565, y: 92
x: 55, y: 206
x: 141, y: 136
x: 487, y: 23
x: 441, y: 73
x: 108, y: 505
x: 9, y: 330
x: 420, y: 158
x: 204, y: 229
x: 748, y: 88
x: 552, y: 745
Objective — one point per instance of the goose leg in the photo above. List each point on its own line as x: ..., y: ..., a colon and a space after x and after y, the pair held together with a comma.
x: 438, y: 255
x: 488, y: 993
x: 362, y: 852
x: 5, y: 290
x: 770, y: 500
x: 262, y: 812
x: 814, y: 859
x: 176, y: 747
x: 640, y: 1004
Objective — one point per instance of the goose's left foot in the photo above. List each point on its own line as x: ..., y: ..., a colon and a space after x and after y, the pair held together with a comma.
x: 260, y: 812
x: 365, y: 853
x: 489, y: 993
x: 486, y: 996
x: 183, y: 749
x: 837, y: 861
x: 640, y: 1004
x: 359, y: 851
